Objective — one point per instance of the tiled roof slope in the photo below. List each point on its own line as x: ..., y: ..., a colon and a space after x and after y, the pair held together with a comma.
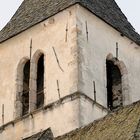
x: 32, y: 12
x: 121, y: 125
x: 44, y: 135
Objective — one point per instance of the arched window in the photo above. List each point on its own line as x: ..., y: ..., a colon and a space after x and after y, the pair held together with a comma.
x: 114, y: 86
x: 117, y: 83
x: 37, y: 81
x: 22, y: 84
x: 25, y: 92
x: 30, y: 85
x: 40, y: 81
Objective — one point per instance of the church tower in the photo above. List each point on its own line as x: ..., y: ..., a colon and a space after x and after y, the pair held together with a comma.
x: 64, y: 64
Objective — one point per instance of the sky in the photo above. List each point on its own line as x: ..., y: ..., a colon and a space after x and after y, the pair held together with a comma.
x: 131, y: 8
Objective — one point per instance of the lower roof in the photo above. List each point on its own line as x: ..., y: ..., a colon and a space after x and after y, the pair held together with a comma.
x: 44, y: 135
x: 123, y: 124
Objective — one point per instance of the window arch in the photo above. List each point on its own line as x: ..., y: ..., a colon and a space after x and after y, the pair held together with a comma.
x: 114, y: 86
x: 117, y: 83
x: 30, y: 84
x: 22, y: 95
x: 25, y: 91
x: 37, y: 80
x: 40, y: 81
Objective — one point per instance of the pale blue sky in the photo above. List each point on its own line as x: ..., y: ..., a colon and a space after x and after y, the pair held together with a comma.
x: 131, y: 9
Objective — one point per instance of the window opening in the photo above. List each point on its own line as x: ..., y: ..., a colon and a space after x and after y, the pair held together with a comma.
x: 114, y: 86
x: 25, y: 92
x: 40, y: 82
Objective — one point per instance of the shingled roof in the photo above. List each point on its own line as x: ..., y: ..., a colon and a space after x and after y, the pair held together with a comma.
x: 32, y: 12
x: 121, y: 125
x: 44, y: 135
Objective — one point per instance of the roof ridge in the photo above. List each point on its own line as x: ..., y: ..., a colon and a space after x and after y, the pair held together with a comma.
x: 32, y: 12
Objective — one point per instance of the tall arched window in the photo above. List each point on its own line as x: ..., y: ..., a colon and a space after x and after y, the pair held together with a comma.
x: 40, y: 81
x: 22, y: 84
x: 114, y: 86
x: 30, y: 84
x: 25, y: 92
x: 37, y: 81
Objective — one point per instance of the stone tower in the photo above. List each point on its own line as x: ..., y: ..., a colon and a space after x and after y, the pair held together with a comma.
x: 64, y: 64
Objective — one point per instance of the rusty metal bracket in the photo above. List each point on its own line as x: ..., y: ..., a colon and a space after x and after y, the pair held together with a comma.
x: 30, y: 49
x: 58, y: 89
x: 94, y: 86
x: 117, y: 50
x: 87, y: 30
x: 66, y: 38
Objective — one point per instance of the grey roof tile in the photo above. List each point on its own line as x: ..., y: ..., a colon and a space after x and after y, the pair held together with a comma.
x: 32, y: 12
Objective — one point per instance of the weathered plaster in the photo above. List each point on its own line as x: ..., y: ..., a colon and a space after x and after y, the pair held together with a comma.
x: 46, y: 37
x: 93, y: 53
x: 76, y: 44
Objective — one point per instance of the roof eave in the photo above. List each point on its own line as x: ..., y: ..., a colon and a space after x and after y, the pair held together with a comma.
x: 121, y: 33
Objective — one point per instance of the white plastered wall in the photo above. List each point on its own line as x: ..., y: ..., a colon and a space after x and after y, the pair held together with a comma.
x: 96, y: 40
x: 74, y: 77
x: 45, y: 36
x: 61, y: 120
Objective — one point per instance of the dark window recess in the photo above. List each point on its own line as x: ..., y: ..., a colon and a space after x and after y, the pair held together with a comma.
x: 25, y: 93
x: 114, y: 86
x: 40, y: 82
